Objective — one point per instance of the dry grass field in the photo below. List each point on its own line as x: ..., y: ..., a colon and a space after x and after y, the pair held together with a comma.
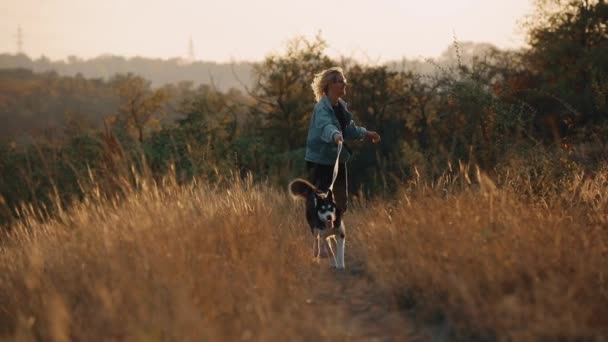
x: 495, y: 266
x: 202, y: 262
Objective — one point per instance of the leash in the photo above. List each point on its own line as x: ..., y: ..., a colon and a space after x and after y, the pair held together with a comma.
x: 336, y: 166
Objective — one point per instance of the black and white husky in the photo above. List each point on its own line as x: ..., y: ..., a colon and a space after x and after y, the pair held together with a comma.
x: 324, y: 219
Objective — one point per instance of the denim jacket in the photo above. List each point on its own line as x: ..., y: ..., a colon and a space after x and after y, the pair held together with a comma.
x: 320, y: 144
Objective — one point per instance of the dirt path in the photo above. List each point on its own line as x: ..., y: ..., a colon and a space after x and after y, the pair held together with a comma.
x: 369, y: 313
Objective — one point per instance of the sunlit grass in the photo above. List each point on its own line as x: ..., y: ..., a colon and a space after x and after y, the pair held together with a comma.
x: 206, y: 262
x: 165, y: 262
x: 495, y: 265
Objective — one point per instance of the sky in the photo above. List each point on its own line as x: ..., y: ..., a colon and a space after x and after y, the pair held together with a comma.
x: 249, y: 30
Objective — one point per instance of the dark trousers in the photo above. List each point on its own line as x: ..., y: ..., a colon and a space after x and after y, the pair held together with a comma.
x: 321, y: 176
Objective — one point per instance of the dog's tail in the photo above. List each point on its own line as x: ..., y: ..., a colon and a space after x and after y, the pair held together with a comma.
x: 301, y: 188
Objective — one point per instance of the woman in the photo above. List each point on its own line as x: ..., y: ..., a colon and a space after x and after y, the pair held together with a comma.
x: 330, y: 124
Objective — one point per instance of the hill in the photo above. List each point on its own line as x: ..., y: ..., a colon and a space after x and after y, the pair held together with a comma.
x: 160, y: 72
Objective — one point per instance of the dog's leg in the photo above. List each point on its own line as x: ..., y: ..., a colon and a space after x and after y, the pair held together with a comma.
x: 320, y: 248
x: 324, y: 250
x: 331, y: 250
x: 316, y: 248
x: 341, y: 241
x: 331, y: 241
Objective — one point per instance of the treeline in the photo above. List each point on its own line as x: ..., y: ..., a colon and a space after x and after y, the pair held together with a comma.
x: 159, y: 71
x: 47, y: 105
x: 41, y: 97
x: 541, y: 113
x: 224, y: 76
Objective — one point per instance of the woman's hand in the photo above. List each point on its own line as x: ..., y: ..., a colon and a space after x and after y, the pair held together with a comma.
x: 373, y: 137
x: 338, y: 138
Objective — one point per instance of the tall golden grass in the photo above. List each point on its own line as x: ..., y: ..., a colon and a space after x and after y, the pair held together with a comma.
x: 201, y: 261
x: 494, y: 264
x: 178, y: 262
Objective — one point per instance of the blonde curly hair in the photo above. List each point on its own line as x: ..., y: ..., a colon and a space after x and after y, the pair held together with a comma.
x: 321, y: 81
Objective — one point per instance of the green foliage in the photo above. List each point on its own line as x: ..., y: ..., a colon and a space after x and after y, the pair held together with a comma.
x: 567, y: 61
x: 49, y: 177
x: 381, y: 101
x: 167, y: 149
x: 478, y: 125
x: 32, y: 105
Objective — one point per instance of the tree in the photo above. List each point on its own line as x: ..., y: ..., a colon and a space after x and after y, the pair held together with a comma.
x: 282, y: 90
x: 569, y: 50
x: 139, y: 103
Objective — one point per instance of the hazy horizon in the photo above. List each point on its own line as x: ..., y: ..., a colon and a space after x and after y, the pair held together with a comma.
x: 243, y: 31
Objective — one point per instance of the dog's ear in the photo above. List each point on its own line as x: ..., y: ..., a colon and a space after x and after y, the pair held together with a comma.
x: 330, y: 195
x: 320, y: 194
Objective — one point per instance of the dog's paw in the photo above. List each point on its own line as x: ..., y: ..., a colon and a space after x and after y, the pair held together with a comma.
x: 339, y: 265
x: 336, y: 264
